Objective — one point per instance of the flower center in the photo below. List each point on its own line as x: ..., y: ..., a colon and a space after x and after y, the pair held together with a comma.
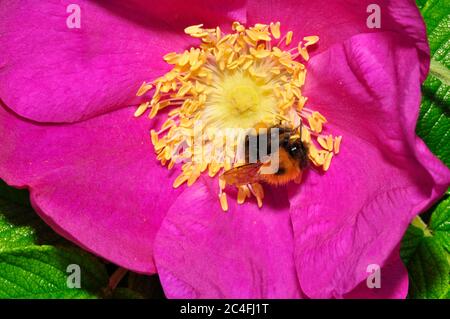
x: 242, y: 100
x: 230, y: 84
x: 238, y: 101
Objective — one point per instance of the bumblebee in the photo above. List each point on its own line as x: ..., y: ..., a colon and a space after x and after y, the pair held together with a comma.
x: 291, y: 154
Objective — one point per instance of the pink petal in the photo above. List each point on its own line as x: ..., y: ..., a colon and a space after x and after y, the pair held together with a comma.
x: 51, y: 73
x: 393, y: 280
x: 336, y: 21
x: 95, y: 182
x: 203, y: 252
x: 355, y: 214
x: 211, y: 14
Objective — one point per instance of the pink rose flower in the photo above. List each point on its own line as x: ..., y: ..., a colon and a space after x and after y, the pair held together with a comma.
x: 69, y: 136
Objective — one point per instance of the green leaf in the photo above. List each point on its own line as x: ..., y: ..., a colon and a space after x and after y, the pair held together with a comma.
x: 434, y: 122
x: 31, y: 270
x: 439, y: 71
x: 42, y: 272
x: 20, y: 226
x: 428, y: 271
x: 425, y: 249
x: 410, y: 243
x: 425, y: 253
x: 440, y: 223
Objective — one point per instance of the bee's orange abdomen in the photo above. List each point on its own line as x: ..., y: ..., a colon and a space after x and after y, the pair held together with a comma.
x: 289, y: 170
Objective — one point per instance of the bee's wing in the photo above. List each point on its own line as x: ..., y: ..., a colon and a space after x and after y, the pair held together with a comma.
x: 242, y: 175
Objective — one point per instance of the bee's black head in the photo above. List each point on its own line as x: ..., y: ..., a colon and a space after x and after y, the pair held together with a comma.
x: 297, y: 150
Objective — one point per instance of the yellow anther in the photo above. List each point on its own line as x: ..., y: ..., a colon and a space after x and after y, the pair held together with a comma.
x: 260, y: 27
x: 145, y: 87
x: 154, y: 111
x: 183, y: 59
x: 194, y: 176
x: 256, y: 73
x: 238, y: 27
x: 218, y: 33
x: 193, y: 56
x: 171, y: 57
x: 329, y: 142
x: 167, y: 124
x: 257, y: 35
x: 222, y: 184
x: 277, y: 52
x: 260, y: 54
x: 311, y: 40
x: 319, y: 117
x: 289, y: 37
x: 213, y: 169
x: 231, y: 57
x: 327, y: 162
x: 337, y: 143
x: 223, y: 201
x: 194, y: 29
x: 300, y: 77
x: 303, y: 51
x: 247, y: 64
x: 306, y: 136
x: 314, y: 124
x: 301, y: 103
x: 315, y: 156
x: 180, y: 180
x: 154, y: 137
x: 199, y: 87
x: 275, y: 70
x: 326, y: 142
x: 185, y: 88
x: 322, y: 142
x: 141, y: 109
x: 275, y: 29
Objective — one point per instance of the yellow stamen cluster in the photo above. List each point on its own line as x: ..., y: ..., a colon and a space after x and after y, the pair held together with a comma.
x: 232, y: 81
